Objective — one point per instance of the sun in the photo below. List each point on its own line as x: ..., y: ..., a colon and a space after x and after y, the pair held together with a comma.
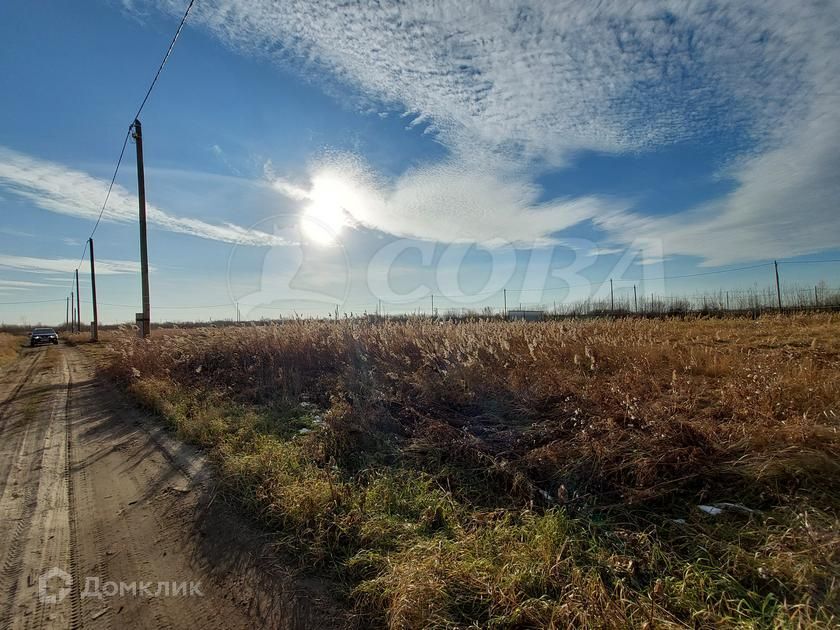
x: 322, y: 220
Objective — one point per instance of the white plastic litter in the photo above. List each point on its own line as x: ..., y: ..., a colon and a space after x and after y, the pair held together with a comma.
x: 719, y: 508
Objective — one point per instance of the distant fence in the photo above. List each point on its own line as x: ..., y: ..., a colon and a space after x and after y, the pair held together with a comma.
x: 721, y: 301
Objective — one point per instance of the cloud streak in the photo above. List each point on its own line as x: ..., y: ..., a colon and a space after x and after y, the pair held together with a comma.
x: 32, y: 264
x: 23, y: 285
x: 57, y: 188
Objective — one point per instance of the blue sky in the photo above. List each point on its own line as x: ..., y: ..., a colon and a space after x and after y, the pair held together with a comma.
x: 305, y: 155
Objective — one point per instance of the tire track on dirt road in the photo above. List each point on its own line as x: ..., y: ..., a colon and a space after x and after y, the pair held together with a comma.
x: 29, y: 412
x: 11, y: 438
x: 123, y: 515
x: 50, y: 542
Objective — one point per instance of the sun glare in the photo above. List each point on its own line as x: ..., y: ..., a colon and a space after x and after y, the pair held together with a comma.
x: 322, y: 221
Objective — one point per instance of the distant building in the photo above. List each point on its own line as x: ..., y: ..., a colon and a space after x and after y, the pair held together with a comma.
x: 528, y: 316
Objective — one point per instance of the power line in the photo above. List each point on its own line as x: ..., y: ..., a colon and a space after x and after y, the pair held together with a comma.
x: 643, y: 279
x: 136, y: 116
x: 165, y: 58
x: 470, y: 295
x: 33, y: 302
x: 808, y: 262
x: 701, y: 273
x: 111, y: 185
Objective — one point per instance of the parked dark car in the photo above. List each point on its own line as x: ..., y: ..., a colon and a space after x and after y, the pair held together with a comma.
x: 42, y: 335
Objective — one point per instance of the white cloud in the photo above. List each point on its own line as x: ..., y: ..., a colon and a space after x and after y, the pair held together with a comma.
x: 514, y: 87
x: 17, y: 233
x: 785, y: 204
x: 441, y: 203
x: 539, y: 77
x: 57, y: 188
x: 32, y: 264
x: 22, y: 285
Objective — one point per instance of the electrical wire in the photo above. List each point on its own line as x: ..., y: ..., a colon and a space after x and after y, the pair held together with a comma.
x: 808, y: 262
x: 128, y: 133
x: 34, y: 301
x: 165, y: 59
x: 110, y: 186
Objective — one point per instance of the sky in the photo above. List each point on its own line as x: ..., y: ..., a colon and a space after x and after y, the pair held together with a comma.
x: 303, y: 157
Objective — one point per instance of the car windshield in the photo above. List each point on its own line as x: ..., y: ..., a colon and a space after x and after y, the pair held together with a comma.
x: 43, y: 331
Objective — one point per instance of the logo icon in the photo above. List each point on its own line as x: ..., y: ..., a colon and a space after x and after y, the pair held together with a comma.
x: 44, y: 586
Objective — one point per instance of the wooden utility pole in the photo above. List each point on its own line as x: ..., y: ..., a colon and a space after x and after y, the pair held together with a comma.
x: 78, y: 305
x: 635, y: 300
x: 145, y: 322
x: 67, y: 311
x: 504, y: 297
x: 433, y: 304
x: 94, y: 332
x: 612, y: 297
x: 778, y: 290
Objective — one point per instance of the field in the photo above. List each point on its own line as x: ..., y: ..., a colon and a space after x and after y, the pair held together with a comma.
x: 503, y: 474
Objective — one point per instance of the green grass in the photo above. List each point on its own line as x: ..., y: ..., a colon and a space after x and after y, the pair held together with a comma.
x: 411, y: 553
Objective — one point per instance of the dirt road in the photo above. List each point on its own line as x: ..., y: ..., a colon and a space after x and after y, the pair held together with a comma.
x: 107, y: 522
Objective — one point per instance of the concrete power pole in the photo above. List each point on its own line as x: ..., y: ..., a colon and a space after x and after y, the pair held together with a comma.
x: 78, y: 305
x: 94, y: 331
x: 145, y: 319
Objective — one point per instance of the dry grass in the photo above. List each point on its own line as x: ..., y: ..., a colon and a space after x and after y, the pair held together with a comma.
x: 10, y: 346
x: 528, y: 475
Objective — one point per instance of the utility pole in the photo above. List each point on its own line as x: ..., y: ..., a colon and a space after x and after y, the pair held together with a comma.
x: 612, y: 297
x: 816, y: 297
x: 78, y: 305
x: 635, y: 300
x: 94, y: 333
x: 504, y: 297
x: 778, y: 290
x: 145, y: 323
x: 67, y: 310
x: 433, y: 304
